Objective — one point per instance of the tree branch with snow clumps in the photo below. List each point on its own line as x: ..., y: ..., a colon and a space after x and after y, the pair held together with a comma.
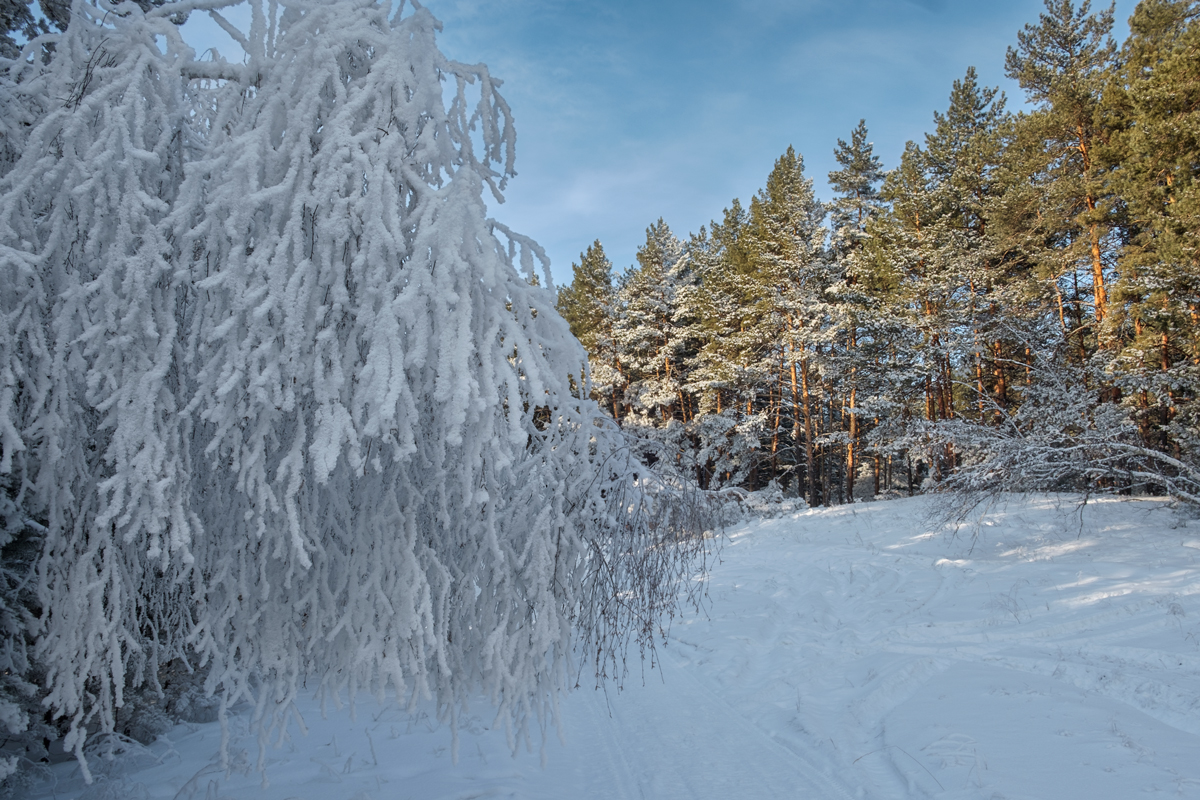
x: 1059, y: 439
x: 275, y: 387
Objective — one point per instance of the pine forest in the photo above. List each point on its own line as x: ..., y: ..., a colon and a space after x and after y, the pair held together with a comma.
x: 1015, y: 305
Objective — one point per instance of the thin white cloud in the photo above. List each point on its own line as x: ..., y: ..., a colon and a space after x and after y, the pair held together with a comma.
x: 627, y: 112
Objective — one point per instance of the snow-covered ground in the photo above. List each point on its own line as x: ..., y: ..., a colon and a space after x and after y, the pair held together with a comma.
x: 854, y: 652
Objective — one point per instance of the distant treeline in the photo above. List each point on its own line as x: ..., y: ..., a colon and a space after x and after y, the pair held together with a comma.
x: 1022, y: 288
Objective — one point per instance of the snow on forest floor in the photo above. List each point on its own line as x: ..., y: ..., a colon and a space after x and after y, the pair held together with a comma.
x: 1045, y: 651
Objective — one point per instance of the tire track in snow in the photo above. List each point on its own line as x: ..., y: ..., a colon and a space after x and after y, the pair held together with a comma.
x: 621, y: 772
x: 703, y: 747
x: 1125, y: 681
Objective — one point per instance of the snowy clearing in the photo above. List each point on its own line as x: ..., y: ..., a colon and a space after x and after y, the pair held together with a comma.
x: 1046, y: 652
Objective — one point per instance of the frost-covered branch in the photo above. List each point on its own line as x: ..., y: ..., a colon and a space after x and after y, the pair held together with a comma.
x: 1061, y: 438
x: 279, y: 395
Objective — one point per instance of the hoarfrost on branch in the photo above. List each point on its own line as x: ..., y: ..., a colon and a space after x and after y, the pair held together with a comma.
x: 276, y: 389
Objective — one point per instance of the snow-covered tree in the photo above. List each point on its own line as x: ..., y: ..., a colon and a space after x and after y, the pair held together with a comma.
x: 647, y: 333
x: 1152, y: 322
x: 1063, y: 63
x: 589, y: 305
x: 791, y: 274
x: 721, y: 318
x: 89, y: 395
x: 859, y: 312
x: 276, y: 390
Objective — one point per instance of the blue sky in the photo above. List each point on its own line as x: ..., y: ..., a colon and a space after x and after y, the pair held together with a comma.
x: 628, y: 111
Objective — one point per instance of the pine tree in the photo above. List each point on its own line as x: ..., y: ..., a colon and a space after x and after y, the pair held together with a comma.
x: 856, y: 184
x: 791, y: 276
x: 15, y: 16
x: 1063, y: 63
x: 589, y: 305
x: 855, y: 302
x: 1157, y: 295
x: 936, y: 249
x: 587, y: 301
x: 721, y: 315
x: 723, y: 312
x: 647, y: 332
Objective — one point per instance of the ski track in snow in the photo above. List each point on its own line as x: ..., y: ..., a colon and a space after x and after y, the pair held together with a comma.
x: 856, y: 652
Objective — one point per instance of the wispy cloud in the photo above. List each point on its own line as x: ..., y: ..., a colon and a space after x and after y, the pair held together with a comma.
x: 930, y: 5
x: 628, y: 111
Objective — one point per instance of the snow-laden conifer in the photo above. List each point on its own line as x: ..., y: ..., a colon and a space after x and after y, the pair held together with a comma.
x: 590, y: 305
x: 646, y: 330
